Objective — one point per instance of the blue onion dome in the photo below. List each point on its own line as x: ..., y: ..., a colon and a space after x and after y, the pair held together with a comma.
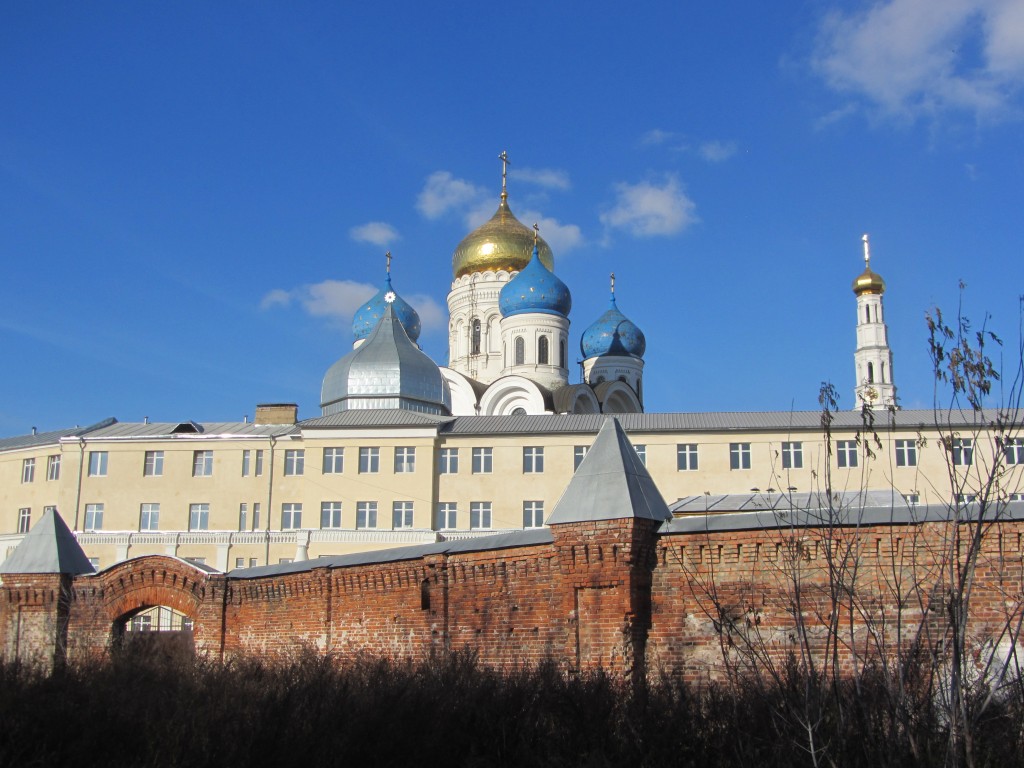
x: 535, y: 289
x: 613, y: 334
x: 368, y: 315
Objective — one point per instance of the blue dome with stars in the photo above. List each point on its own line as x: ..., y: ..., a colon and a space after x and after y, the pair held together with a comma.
x: 535, y: 289
x: 371, y: 312
x: 613, y: 334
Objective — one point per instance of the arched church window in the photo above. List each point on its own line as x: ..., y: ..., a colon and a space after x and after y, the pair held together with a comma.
x: 561, y: 353
x: 475, y: 342
x: 883, y: 373
x: 520, y: 350
x: 542, y: 350
x: 867, y: 314
x: 518, y: 411
x: 871, y: 373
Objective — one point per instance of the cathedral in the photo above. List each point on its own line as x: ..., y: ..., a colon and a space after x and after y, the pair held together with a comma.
x: 508, y: 340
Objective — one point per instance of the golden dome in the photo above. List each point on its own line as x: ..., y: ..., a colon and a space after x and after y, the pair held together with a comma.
x: 868, y: 282
x: 503, y: 242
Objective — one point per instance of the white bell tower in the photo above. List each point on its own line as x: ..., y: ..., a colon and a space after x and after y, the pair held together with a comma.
x: 873, y: 358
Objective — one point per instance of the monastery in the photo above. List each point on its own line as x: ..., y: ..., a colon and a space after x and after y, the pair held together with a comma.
x: 489, y: 502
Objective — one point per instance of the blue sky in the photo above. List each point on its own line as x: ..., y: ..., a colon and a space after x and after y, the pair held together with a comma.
x: 196, y: 196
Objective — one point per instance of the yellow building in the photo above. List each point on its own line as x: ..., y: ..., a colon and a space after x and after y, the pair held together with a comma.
x: 406, y: 452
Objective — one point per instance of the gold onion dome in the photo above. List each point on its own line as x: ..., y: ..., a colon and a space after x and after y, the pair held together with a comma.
x: 503, y: 242
x: 868, y: 281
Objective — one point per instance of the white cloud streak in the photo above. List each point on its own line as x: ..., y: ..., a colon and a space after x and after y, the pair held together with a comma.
x: 717, y: 151
x: 548, y: 178
x: 650, y: 209
x: 922, y: 58
x: 443, y: 193
x: 340, y: 299
x: 377, y: 232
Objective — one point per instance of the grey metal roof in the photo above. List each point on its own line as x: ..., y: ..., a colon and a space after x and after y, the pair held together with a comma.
x: 850, y: 510
x: 48, y: 438
x: 774, y: 500
x: 386, y: 371
x: 376, y: 417
x: 49, y: 547
x: 611, y: 483
x: 206, y: 429
x: 528, y: 538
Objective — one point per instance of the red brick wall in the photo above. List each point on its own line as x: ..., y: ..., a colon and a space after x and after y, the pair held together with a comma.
x: 611, y: 593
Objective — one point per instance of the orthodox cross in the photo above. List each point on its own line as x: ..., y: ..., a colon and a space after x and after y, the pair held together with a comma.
x: 867, y: 253
x: 504, y: 174
x: 613, y: 284
x: 536, y: 233
x: 387, y: 257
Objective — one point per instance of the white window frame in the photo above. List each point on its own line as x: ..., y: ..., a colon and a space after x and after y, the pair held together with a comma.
x: 1013, y: 450
x: 366, y: 515
x: 246, y: 462
x: 53, y: 467
x: 258, y: 469
x: 294, y: 462
x: 480, y: 515
x: 93, y: 517
x: 330, y: 514
x: 291, y: 516
x: 97, y: 463
x: 533, y: 459
x: 369, y: 460
x: 792, y: 454
x: 448, y: 461
x: 846, y: 454
x: 533, y: 514
x: 739, y: 456
x: 906, y: 453
x: 149, y: 516
x: 447, y: 515
x: 334, y: 461
x: 483, y: 461
x: 202, y: 463
x: 579, y: 453
x: 687, y: 457
x: 243, y: 516
x: 153, y: 464
x: 963, y: 451
x: 24, y: 519
x: 641, y: 452
x: 405, y: 459
x: 401, y: 514
x: 28, y: 470
x: 199, y: 516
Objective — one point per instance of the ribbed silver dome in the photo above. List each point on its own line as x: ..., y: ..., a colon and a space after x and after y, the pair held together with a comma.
x: 385, y: 371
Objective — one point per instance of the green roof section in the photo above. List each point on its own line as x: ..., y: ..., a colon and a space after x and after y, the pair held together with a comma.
x: 610, y: 484
x: 49, y: 547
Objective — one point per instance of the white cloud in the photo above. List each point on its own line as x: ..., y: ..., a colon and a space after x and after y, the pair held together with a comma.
x: 920, y: 58
x: 656, y: 136
x: 443, y: 193
x: 561, y: 237
x: 717, y: 151
x: 377, y: 232
x: 550, y: 178
x: 340, y: 299
x: 648, y: 209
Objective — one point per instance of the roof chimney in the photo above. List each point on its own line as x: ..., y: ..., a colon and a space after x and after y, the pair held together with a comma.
x: 276, y: 413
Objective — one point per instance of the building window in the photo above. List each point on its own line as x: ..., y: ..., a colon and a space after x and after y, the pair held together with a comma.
x: 330, y: 514
x: 239, y: 562
x: 1013, y: 450
x: 533, y: 459
x: 202, y: 463
x: 401, y: 514
x: 149, y: 517
x: 94, y: 517
x: 792, y: 455
x: 24, y: 519
x: 475, y: 341
x: 520, y: 350
x: 561, y: 353
x: 448, y: 463
x: 966, y: 498
x: 334, y: 461
x: 153, y: 466
x: 846, y: 453
x: 198, y: 517
x: 246, y: 463
x: 243, y: 516
x: 447, y: 515
x: 97, y: 463
x: 739, y: 455
x: 686, y: 456
x: 95, y: 563
x: 195, y: 560
x: 479, y: 514
x: 253, y: 562
x: 906, y: 453
x: 1016, y: 497
x: 579, y: 453
x: 913, y: 499
x: 53, y: 467
x: 482, y: 458
x: 641, y: 452
x: 256, y: 516
x: 291, y: 516
x: 259, y: 462
x: 405, y: 460
x: 28, y: 470
x: 542, y: 350
x: 369, y: 460
x: 533, y: 514
x: 366, y: 514
x: 963, y: 451
x: 294, y: 462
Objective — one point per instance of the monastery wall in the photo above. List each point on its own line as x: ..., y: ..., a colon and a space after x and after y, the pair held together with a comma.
x: 615, y: 594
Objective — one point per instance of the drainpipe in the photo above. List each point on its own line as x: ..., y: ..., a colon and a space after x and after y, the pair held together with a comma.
x: 81, y: 467
x: 270, y: 498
